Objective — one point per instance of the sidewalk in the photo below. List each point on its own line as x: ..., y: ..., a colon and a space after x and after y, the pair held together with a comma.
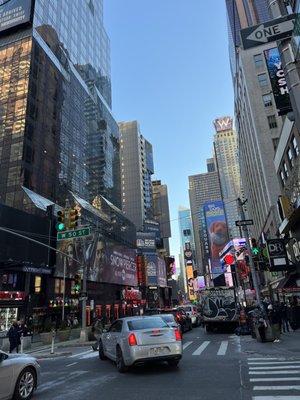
x: 289, y: 346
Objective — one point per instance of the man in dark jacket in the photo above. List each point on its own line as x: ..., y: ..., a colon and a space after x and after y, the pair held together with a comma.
x: 14, y: 337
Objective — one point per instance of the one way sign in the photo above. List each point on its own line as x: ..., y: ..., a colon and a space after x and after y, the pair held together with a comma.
x: 270, y: 31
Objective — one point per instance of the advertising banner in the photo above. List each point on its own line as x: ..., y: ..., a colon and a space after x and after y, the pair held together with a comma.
x: 217, y: 233
x: 151, y: 268
x: 161, y: 272
x: 146, y: 240
x: 14, y: 13
x: 106, y: 260
x: 190, y: 280
x: 278, y: 82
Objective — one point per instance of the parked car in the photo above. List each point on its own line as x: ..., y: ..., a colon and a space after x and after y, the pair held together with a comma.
x: 138, y: 340
x: 181, y: 318
x: 169, y: 319
x: 19, y: 376
x: 192, y: 312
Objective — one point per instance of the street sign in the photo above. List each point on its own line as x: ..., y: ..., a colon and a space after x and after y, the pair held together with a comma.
x: 244, y: 222
x: 74, y: 234
x: 279, y: 28
x: 277, y: 255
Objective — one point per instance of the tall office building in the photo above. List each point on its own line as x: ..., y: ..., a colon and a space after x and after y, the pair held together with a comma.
x: 186, y: 235
x: 57, y: 130
x: 161, y: 214
x: 202, y: 188
x: 242, y: 14
x: 136, y: 171
x: 226, y: 151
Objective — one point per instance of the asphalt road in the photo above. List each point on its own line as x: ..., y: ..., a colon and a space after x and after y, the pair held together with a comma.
x: 214, y: 366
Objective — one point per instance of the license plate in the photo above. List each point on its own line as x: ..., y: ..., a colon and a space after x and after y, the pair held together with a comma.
x: 156, y: 351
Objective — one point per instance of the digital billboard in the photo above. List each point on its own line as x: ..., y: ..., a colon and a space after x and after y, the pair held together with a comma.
x: 14, y: 13
x: 217, y: 233
x: 106, y: 260
x: 190, y: 280
x: 161, y: 272
x: 151, y: 268
x: 278, y: 81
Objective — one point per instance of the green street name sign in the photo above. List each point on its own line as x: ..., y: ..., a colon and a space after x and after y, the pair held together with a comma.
x: 73, y: 234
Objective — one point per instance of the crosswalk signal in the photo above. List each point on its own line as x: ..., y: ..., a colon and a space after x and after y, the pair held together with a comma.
x: 61, y: 221
x: 254, y: 247
x: 77, y: 283
x: 73, y: 218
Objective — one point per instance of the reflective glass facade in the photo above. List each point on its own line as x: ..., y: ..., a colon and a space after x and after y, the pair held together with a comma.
x: 57, y: 130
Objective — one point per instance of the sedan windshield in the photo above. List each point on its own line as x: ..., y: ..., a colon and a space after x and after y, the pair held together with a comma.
x: 146, y: 323
x: 168, y: 318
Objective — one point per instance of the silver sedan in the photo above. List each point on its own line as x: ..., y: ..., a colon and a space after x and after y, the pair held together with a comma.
x: 19, y: 376
x: 137, y: 340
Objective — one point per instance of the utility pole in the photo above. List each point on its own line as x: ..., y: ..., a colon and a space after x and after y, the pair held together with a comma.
x: 252, y: 266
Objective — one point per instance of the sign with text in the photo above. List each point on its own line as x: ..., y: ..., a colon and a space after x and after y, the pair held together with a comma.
x: 73, y: 234
x: 277, y: 255
x: 14, y: 13
x: 244, y: 222
x: 279, y: 28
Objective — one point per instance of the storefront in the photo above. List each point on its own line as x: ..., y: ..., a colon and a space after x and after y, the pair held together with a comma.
x: 11, y: 306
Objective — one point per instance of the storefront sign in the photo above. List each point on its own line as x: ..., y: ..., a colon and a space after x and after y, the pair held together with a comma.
x: 8, y: 296
x: 277, y: 255
x: 34, y: 270
x: 14, y: 13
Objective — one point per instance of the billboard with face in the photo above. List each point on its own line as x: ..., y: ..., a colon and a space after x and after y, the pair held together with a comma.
x: 217, y: 233
x: 14, y: 13
x: 278, y: 82
x: 106, y: 260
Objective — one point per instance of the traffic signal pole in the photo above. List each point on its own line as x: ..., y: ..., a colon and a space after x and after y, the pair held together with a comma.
x: 252, y: 266
x: 83, y: 333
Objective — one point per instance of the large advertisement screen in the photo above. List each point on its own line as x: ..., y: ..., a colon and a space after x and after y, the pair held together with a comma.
x: 278, y: 82
x: 217, y: 232
x: 14, y: 13
x: 161, y: 272
x: 106, y: 260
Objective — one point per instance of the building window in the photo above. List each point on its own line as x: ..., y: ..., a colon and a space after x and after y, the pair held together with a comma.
x: 275, y: 143
x: 285, y: 168
x: 262, y: 80
x: 37, y: 284
x: 295, y: 146
x: 283, y: 179
x: 267, y: 99
x: 272, y: 121
x: 291, y: 158
x: 59, y: 286
x: 186, y: 232
x: 258, y: 60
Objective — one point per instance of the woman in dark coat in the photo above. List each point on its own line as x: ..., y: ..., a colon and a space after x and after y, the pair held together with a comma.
x: 14, y: 337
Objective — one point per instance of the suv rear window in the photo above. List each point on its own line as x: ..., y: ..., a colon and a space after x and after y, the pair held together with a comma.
x: 146, y: 323
x: 168, y: 317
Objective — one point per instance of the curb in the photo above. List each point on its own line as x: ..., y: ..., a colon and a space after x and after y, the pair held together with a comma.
x: 79, y: 344
x: 55, y: 355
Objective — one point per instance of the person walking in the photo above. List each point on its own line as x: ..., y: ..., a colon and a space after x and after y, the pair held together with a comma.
x: 14, y: 337
x: 284, y: 318
x: 275, y: 321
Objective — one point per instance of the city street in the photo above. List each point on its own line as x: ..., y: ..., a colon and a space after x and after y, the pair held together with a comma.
x: 214, y: 366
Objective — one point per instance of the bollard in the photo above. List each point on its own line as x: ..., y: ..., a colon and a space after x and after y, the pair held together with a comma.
x: 52, y: 342
x: 22, y: 343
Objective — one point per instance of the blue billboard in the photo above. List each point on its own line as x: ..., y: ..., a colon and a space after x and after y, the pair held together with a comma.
x: 14, y: 13
x: 217, y: 232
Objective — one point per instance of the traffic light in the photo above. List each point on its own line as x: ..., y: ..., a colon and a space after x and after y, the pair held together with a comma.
x: 73, y: 219
x: 61, y: 221
x: 254, y: 247
x: 77, y: 283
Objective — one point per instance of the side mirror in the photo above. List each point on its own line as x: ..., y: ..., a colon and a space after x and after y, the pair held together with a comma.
x: 3, y: 357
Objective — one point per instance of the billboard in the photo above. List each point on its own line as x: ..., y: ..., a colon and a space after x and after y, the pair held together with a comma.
x: 161, y: 272
x: 217, y: 233
x: 106, y: 260
x: 278, y: 82
x: 146, y: 240
x: 223, y: 124
x: 190, y: 281
x: 14, y: 13
x: 151, y: 268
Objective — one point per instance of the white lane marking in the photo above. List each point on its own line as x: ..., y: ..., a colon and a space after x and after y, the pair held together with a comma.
x: 274, y: 363
x: 276, y: 398
x: 264, y: 359
x: 186, y: 344
x: 266, y: 368
x: 290, y: 387
x: 201, y: 348
x: 80, y: 354
x: 278, y: 379
x: 89, y: 355
x: 223, y: 348
x: 274, y: 372
x: 60, y: 381
x: 70, y: 365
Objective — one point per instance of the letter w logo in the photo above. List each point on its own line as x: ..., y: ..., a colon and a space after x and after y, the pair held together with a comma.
x: 224, y: 123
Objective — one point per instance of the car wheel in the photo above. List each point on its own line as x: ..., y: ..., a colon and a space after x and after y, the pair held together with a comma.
x: 25, y: 385
x: 102, y: 356
x: 121, y: 367
x: 173, y: 363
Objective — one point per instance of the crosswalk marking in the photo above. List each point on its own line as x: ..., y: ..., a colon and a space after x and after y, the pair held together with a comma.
x: 223, y: 348
x: 278, y: 379
x: 274, y: 372
x: 201, y: 348
x: 274, y: 363
x: 266, y: 368
x: 186, y: 344
x: 290, y: 387
x: 276, y: 398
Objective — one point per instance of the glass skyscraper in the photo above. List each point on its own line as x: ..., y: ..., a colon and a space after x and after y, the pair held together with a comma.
x: 57, y: 129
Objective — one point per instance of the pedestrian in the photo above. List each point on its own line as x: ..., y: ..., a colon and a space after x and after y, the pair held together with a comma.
x: 284, y: 318
x: 75, y: 322
x: 14, y: 337
x: 275, y: 321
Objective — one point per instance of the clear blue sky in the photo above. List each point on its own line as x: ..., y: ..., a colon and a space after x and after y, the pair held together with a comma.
x: 170, y: 71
